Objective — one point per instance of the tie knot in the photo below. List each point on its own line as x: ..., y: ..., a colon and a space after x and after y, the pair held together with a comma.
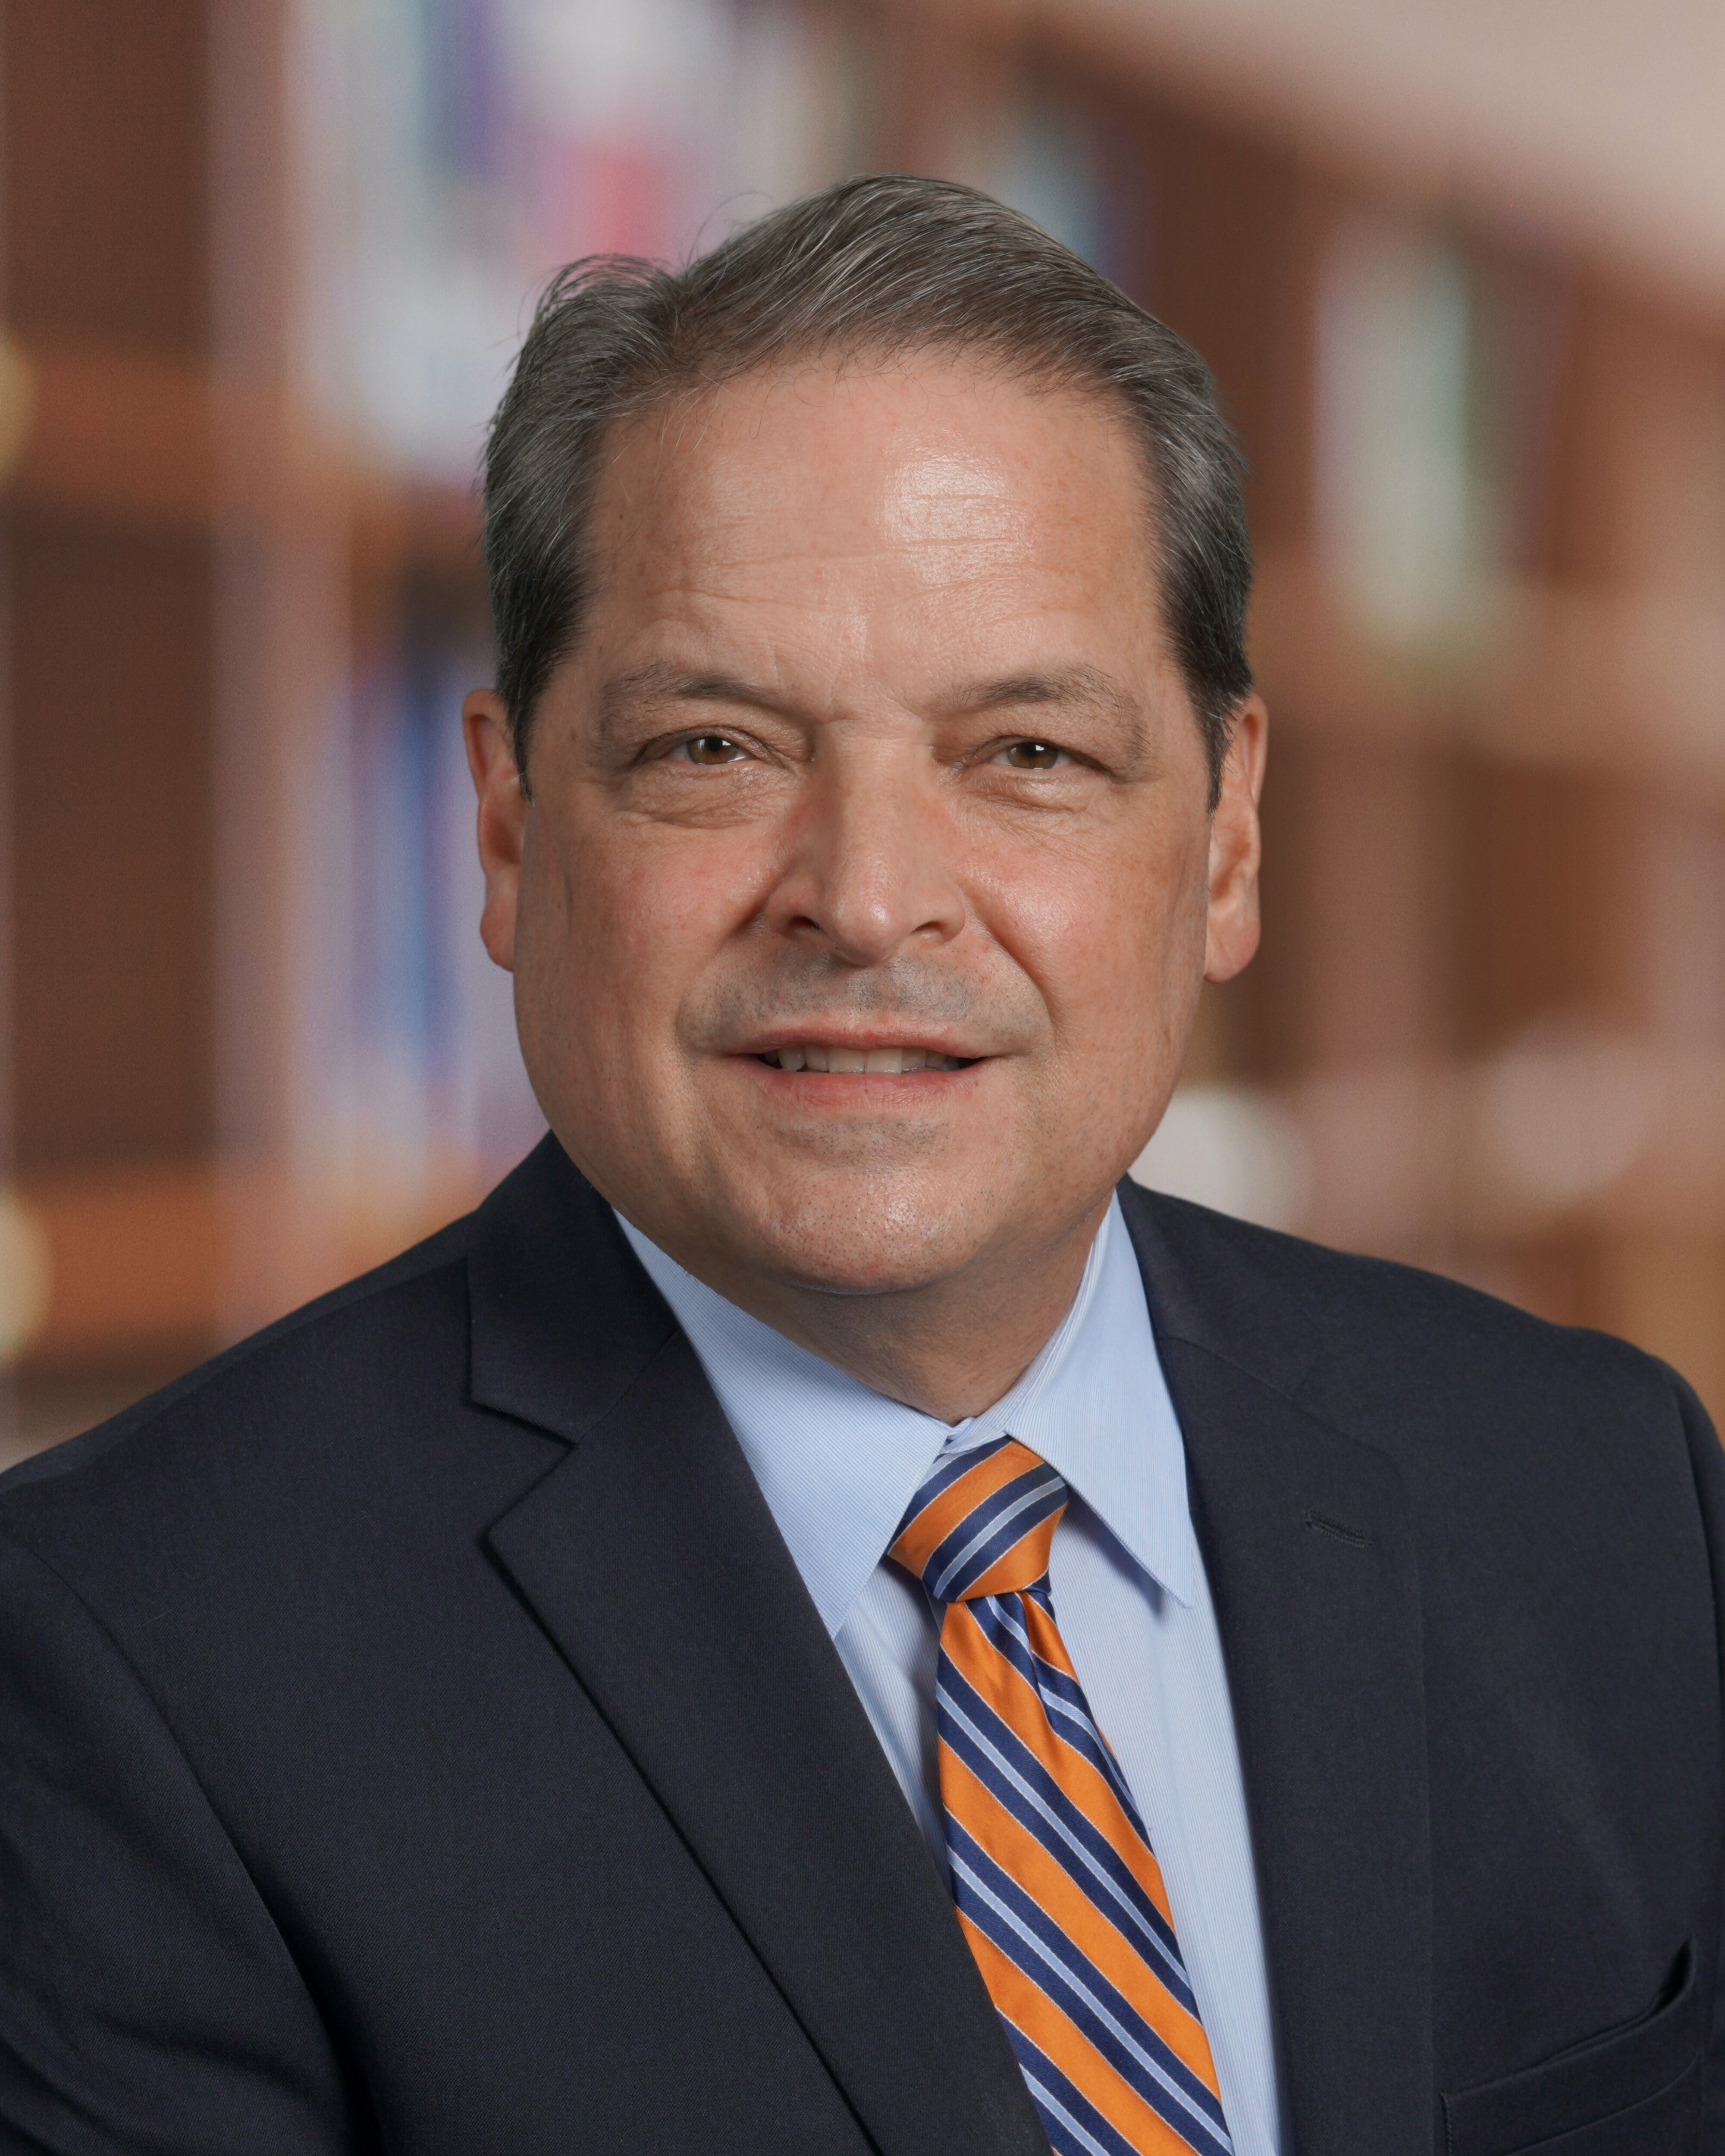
x: 982, y: 1524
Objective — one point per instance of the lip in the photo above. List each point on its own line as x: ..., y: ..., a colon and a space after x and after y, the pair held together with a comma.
x: 863, y: 1040
x: 865, y: 1089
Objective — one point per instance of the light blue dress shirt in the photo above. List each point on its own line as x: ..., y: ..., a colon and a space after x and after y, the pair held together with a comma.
x: 839, y: 1464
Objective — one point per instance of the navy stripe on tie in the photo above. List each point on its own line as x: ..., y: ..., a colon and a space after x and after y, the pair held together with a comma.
x: 1073, y: 2124
x: 1000, y: 1908
x: 998, y: 1618
x: 990, y: 1529
x: 950, y: 1468
x: 1012, y: 1779
x: 1018, y: 1780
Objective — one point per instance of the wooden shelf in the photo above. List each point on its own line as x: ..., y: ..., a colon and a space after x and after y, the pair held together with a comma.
x: 202, y: 1252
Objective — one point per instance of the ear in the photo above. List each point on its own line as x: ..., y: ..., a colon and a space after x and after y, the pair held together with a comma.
x: 503, y: 812
x: 1236, y: 846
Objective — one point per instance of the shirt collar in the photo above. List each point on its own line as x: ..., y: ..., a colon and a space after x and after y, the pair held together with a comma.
x: 839, y: 1464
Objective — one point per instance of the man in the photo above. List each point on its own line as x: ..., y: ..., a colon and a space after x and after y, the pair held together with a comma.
x: 819, y: 1619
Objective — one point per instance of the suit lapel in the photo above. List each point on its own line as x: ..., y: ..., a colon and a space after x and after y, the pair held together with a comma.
x: 1305, y: 1541
x: 649, y: 1556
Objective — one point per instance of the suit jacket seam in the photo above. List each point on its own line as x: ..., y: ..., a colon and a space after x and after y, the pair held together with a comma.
x: 588, y: 1417
x: 1324, y: 1422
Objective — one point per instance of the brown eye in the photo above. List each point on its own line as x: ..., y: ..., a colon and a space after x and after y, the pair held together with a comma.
x: 1033, y: 756
x: 712, y: 748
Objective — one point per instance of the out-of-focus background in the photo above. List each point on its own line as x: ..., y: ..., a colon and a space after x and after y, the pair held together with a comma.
x: 1459, y: 270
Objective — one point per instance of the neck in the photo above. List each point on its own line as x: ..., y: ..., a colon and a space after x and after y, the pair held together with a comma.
x: 949, y: 1348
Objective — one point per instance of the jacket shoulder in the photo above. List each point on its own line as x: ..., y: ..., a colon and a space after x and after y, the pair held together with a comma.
x: 1378, y: 1330
x: 339, y: 1330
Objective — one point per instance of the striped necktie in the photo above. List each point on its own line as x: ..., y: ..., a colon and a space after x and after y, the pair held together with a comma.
x: 1057, y: 1889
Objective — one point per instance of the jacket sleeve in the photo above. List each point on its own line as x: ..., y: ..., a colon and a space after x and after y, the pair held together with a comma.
x: 147, y: 2002
x: 1708, y: 1463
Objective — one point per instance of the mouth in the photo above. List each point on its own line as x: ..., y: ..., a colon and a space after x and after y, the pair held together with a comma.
x: 885, y: 1062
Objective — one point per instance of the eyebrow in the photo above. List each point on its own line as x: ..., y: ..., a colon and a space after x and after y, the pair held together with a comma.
x: 1067, y: 688
x: 662, y: 681
x: 1064, y: 687
x: 1067, y: 684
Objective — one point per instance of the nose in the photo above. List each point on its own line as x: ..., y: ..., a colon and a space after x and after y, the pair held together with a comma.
x: 871, y: 862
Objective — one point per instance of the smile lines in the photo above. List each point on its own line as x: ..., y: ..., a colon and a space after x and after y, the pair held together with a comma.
x: 893, y: 1062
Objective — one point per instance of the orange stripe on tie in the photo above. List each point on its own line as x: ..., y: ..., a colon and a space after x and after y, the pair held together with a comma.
x: 1027, y: 2007
x: 922, y: 1535
x: 1058, y: 1892
x: 1105, y: 1944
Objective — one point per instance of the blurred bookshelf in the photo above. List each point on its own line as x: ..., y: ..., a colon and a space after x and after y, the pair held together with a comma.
x: 266, y: 263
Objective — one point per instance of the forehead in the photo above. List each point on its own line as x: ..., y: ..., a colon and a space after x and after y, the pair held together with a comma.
x: 880, y: 492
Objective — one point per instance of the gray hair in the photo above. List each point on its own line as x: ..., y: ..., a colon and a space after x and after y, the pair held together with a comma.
x: 886, y: 264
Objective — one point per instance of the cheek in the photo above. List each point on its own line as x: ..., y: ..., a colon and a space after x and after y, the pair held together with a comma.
x: 626, y: 916
x: 1113, y: 932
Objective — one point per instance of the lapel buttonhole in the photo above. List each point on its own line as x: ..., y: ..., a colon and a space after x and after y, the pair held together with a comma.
x: 1357, y: 1538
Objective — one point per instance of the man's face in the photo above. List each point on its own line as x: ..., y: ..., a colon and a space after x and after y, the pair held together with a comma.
x: 860, y: 910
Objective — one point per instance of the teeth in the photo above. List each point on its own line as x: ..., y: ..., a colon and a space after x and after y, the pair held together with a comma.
x: 890, y: 1062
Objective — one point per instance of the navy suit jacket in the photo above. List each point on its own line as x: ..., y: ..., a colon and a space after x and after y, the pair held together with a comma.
x: 414, y: 1735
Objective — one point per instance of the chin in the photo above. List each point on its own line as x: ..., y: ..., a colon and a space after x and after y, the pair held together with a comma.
x: 867, y: 1242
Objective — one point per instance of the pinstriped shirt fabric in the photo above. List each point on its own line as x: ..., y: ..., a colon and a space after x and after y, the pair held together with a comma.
x: 839, y: 1465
